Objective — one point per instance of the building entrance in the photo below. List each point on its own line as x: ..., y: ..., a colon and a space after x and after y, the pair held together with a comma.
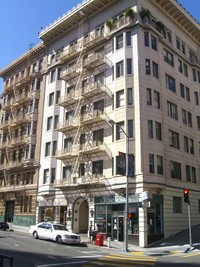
x: 118, y: 228
x: 9, y: 214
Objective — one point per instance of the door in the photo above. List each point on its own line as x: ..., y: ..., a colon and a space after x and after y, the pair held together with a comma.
x: 118, y: 228
x: 9, y: 214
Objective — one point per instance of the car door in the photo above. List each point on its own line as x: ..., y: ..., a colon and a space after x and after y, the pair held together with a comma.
x: 41, y: 230
x: 48, y: 234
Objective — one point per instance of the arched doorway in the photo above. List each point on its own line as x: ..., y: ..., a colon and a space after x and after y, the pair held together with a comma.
x: 80, y: 216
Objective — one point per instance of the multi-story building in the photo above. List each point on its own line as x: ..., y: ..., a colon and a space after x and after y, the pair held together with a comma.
x: 20, y: 134
x: 135, y: 64
x: 122, y: 78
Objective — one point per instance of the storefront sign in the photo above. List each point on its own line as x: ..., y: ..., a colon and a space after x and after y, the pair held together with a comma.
x: 115, y: 199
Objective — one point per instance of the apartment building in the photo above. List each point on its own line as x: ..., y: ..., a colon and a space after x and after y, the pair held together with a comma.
x: 121, y: 78
x: 20, y: 135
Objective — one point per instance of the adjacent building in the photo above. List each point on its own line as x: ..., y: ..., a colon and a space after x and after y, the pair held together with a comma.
x: 121, y: 78
x: 20, y: 132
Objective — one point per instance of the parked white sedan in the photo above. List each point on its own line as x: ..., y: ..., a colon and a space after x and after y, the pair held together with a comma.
x: 55, y: 232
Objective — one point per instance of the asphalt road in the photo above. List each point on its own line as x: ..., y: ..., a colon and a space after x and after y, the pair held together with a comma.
x: 28, y: 252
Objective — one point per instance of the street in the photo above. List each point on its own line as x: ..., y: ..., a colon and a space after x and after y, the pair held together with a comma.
x: 28, y: 252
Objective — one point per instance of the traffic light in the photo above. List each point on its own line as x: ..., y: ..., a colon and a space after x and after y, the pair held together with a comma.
x: 130, y: 216
x: 186, y: 196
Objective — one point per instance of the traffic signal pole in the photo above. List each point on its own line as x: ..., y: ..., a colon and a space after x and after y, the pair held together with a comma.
x: 190, y: 231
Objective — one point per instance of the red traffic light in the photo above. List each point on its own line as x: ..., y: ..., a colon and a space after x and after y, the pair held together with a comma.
x: 130, y: 216
x: 186, y: 196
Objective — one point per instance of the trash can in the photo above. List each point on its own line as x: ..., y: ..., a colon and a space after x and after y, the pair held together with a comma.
x: 99, y: 240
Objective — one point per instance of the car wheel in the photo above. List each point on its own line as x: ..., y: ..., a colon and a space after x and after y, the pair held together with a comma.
x: 59, y: 239
x: 35, y: 235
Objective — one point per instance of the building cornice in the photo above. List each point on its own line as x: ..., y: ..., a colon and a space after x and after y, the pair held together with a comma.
x: 174, y: 10
x: 73, y: 17
x: 32, y: 51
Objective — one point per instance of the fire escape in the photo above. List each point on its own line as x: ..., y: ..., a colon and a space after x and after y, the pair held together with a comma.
x: 81, y: 120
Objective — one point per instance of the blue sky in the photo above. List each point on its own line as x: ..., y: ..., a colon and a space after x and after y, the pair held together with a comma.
x: 20, y: 21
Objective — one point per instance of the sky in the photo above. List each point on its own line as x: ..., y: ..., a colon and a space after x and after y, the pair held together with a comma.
x: 20, y: 22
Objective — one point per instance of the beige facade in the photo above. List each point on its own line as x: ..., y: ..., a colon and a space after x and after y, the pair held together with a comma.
x: 21, y: 118
x: 134, y: 63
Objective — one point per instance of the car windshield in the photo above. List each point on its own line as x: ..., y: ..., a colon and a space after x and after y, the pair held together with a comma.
x: 59, y: 227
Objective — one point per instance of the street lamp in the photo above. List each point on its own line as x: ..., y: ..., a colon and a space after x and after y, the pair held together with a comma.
x: 112, y: 122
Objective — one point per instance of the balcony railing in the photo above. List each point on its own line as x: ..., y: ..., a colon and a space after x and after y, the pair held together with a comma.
x: 92, y: 147
x: 95, y: 88
x: 93, y: 117
x: 7, y: 104
x: 21, y: 98
x: 67, y: 153
x: 94, y: 38
x: 68, y: 125
x: 20, y: 118
x: 94, y: 60
x: 71, y: 72
x: 69, y: 99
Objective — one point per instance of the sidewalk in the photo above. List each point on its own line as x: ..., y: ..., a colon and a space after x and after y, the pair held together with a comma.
x: 178, y: 243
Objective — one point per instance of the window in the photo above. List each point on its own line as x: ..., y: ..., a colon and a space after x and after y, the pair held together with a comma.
x: 119, y: 69
x: 158, y: 130
x: 52, y: 76
x: 172, y: 110
x: 32, y: 151
x: 54, y: 148
x: 120, y: 99
x: 128, y: 38
x: 170, y: 83
x: 168, y: 57
x: 146, y: 39
x: 53, y: 175
x: 185, y: 70
x: 47, y: 149
x: 119, y: 41
x: 194, y: 75
x: 196, y: 98
x: 51, y: 99
x: 34, y: 127
x: 191, y: 146
x: 67, y: 171
x: 188, y: 176
x: 82, y: 170
x: 151, y: 163
x: 119, y: 131
x: 182, y: 90
x: 129, y: 96
x: 149, y: 97
x: 46, y: 176
x: 97, y: 168
x: 180, y: 66
x: 193, y: 175
x: 186, y: 144
x: 57, y: 96
x: 155, y: 70
x: 130, y: 128
x: 174, y: 139
x: 150, y: 129
x: 156, y: 99
x: 56, y: 119
x: 159, y: 164
x: 148, y: 66
x: 178, y: 43
x: 129, y: 65
x: 184, y: 116
x: 176, y: 170
x: 189, y: 119
x: 153, y: 42
x: 49, y: 123
x: 187, y: 93
x: 198, y: 122
x: 177, y: 208
x: 38, y: 83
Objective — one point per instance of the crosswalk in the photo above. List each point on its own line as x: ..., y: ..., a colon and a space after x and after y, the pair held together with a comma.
x: 121, y: 260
